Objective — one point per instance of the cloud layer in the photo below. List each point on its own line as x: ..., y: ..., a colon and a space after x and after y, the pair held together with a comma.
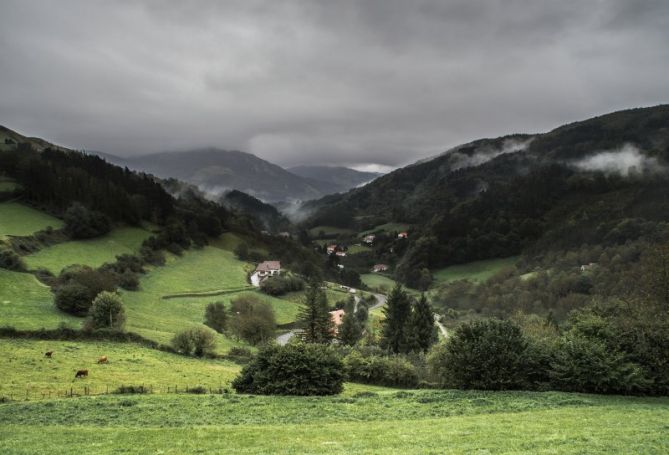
x: 628, y: 159
x: 377, y: 82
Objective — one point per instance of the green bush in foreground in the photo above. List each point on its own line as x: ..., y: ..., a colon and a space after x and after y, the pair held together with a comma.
x: 294, y: 369
x: 196, y: 341
x: 107, y: 312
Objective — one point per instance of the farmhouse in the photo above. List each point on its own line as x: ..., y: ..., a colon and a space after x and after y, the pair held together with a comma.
x: 403, y: 235
x: 337, y: 316
x: 331, y: 249
x: 341, y: 253
x: 379, y: 268
x: 268, y: 268
x: 369, y: 239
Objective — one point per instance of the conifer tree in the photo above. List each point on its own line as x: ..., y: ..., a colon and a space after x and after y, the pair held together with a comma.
x: 350, y: 330
x: 421, y: 330
x: 315, y: 320
x: 394, y: 336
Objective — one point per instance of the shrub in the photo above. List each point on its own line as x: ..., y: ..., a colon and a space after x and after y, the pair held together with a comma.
x: 252, y: 320
x: 81, y: 223
x: 280, y: 285
x: 129, y: 280
x: 239, y: 355
x: 489, y: 354
x: 197, y: 390
x: 196, y: 341
x: 128, y: 389
x: 73, y: 299
x: 106, y: 312
x: 294, y: 369
x: 10, y: 260
x: 216, y: 317
x: 391, y: 371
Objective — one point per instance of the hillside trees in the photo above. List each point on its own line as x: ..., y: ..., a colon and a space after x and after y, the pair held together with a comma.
x: 216, y: 316
x: 422, y: 333
x: 77, y: 286
x: 81, y: 223
x: 196, y: 341
x: 251, y: 319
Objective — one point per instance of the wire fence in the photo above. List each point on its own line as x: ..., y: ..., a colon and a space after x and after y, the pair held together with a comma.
x: 117, y: 389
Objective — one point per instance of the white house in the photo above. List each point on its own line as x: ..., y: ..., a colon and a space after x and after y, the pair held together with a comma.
x: 268, y: 268
x: 369, y: 239
x: 403, y: 235
x: 379, y: 268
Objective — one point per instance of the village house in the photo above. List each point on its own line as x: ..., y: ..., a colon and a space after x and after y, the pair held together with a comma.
x: 284, y: 234
x: 379, y: 268
x: 337, y: 317
x: 403, y: 235
x: 369, y: 239
x: 268, y: 268
x: 331, y: 249
x: 587, y: 267
x: 341, y: 253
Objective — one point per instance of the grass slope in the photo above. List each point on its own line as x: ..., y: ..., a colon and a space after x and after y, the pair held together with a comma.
x: 25, y: 368
x: 20, y: 220
x: 476, y: 271
x: 93, y: 252
x: 402, y: 422
x: 328, y: 230
x: 25, y: 303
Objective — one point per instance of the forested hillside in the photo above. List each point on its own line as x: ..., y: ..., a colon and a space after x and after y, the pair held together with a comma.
x: 601, y: 181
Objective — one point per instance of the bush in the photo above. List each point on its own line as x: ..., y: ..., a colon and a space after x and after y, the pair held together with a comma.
x: 391, y: 371
x: 239, y: 355
x: 486, y: 355
x: 280, y: 285
x: 129, y: 389
x: 196, y: 341
x: 129, y: 280
x: 107, y: 312
x: 73, y: 299
x: 216, y: 317
x: 78, y: 286
x: 252, y: 320
x: 10, y: 260
x: 197, y: 390
x: 294, y: 369
x: 81, y: 223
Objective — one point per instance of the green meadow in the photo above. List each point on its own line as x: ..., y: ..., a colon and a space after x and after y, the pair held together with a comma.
x: 328, y: 230
x: 476, y: 271
x: 399, y: 422
x: 93, y: 252
x: 26, y: 369
x: 27, y: 304
x: 388, y: 227
x: 20, y: 220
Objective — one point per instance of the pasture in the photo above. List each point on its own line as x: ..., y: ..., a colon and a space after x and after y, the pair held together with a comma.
x: 27, y: 304
x: 388, y: 228
x: 92, y: 252
x: 378, y: 282
x: 25, y: 368
x: 20, y: 220
x: 385, y: 422
x: 476, y: 271
x: 210, y: 270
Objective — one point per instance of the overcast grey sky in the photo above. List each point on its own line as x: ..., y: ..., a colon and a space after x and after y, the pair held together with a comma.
x: 305, y: 82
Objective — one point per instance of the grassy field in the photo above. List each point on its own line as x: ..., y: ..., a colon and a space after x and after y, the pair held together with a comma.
x: 474, y: 271
x: 388, y: 422
x: 379, y: 282
x: 93, y: 252
x: 17, y: 219
x: 25, y: 303
x: 355, y: 249
x: 25, y: 368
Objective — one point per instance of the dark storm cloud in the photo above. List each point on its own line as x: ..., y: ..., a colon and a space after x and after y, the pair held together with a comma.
x: 351, y: 82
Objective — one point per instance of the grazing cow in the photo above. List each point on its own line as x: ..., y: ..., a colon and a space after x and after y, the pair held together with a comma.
x: 48, y: 354
x: 102, y: 359
x: 81, y: 374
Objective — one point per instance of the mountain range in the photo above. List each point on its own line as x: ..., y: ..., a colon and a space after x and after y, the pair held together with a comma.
x: 216, y: 171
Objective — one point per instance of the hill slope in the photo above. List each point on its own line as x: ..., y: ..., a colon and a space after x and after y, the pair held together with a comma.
x: 337, y: 178
x: 497, y: 197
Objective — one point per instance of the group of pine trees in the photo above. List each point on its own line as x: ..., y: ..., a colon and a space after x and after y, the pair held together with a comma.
x: 408, y: 325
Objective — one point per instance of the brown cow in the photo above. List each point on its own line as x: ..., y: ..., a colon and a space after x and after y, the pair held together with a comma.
x: 81, y: 374
x: 48, y: 354
x: 102, y: 359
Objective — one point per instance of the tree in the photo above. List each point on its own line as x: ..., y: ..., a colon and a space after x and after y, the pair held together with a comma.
x: 394, y: 327
x: 196, y: 341
x: 242, y: 251
x: 422, y: 333
x: 350, y: 330
x: 73, y: 298
x: 294, y: 369
x: 216, y: 317
x: 81, y: 223
x: 252, y: 320
x: 10, y: 260
x: 107, y: 311
x: 315, y: 320
x: 486, y: 355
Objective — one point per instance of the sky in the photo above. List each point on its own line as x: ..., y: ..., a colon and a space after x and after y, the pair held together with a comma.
x: 372, y: 84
